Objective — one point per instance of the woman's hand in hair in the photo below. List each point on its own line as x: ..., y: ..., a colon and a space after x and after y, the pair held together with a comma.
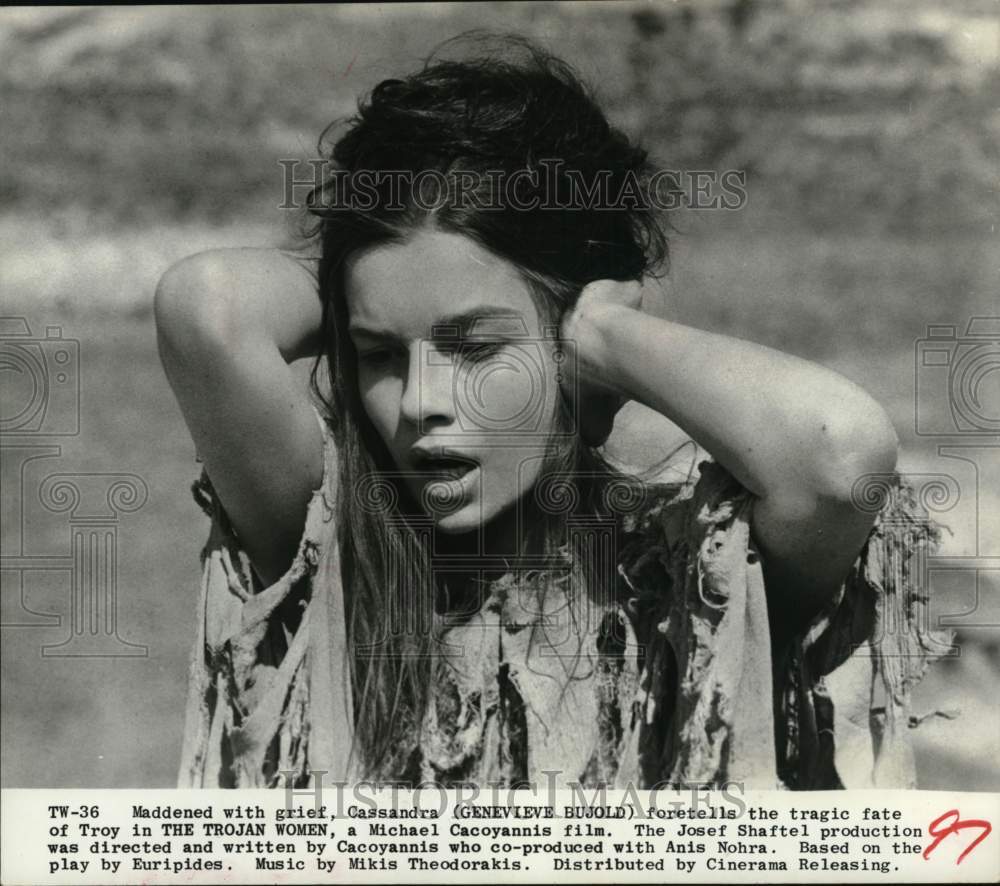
x: 584, y: 378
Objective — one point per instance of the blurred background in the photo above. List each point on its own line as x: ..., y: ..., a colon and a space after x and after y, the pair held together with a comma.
x: 869, y: 132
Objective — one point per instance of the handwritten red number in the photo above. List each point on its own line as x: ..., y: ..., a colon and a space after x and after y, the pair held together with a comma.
x: 939, y: 830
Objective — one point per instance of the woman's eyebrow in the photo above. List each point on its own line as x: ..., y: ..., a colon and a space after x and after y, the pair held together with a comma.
x: 497, y: 320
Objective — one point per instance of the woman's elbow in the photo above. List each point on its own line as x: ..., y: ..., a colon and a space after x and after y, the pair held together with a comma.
x: 191, y: 306
x: 855, y: 444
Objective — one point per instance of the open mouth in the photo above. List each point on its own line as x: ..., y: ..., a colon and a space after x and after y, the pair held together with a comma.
x: 443, y: 467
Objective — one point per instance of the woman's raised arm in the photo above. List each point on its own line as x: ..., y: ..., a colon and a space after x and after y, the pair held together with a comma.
x: 228, y: 324
x: 795, y: 434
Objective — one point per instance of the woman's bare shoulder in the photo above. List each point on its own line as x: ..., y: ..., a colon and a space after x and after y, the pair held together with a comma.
x: 229, y: 323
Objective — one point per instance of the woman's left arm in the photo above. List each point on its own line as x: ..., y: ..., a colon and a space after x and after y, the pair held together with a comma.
x: 793, y: 433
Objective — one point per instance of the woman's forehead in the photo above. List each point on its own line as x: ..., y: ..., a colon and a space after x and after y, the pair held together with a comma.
x: 404, y: 289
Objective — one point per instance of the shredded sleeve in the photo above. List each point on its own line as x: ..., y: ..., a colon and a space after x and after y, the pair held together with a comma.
x: 861, y: 659
x: 719, y: 700
x: 267, y: 690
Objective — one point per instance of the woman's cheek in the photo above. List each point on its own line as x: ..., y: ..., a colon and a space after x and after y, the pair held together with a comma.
x: 504, y: 395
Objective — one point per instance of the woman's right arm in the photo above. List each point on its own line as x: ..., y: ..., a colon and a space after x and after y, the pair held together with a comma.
x: 228, y: 323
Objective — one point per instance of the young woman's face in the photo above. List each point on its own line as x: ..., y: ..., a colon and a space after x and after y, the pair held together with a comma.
x: 456, y: 372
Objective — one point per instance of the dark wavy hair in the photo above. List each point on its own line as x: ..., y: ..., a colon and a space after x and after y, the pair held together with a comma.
x: 505, y: 108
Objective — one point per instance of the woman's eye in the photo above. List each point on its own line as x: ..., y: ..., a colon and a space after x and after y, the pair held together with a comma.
x: 480, y: 350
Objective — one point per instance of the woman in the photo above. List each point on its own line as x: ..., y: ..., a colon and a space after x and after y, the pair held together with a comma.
x: 477, y: 595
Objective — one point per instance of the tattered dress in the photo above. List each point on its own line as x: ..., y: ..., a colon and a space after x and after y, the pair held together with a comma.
x: 696, y: 688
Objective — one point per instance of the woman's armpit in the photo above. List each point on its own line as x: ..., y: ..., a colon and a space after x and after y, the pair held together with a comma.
x: 317, y: 526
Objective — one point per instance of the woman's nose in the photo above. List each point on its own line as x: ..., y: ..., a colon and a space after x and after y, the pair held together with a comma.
x: 428, y: 396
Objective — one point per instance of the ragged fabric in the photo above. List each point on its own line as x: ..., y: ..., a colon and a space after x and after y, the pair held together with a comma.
x: 672, y: 677
x: 268, y: 681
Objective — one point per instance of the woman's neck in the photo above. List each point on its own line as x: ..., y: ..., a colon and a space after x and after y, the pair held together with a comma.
x: 505, y: 538
x: 470, y: 563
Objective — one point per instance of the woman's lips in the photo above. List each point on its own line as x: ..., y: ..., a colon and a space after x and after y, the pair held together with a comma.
x: 444, y: 491
x: 444, y: 465
x: 443, y: 476
x: 446, y: 469
x: 454, y: 474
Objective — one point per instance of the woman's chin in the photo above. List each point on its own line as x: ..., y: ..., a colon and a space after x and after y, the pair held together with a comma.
x: 455, y: 505
x: 466, y: 519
